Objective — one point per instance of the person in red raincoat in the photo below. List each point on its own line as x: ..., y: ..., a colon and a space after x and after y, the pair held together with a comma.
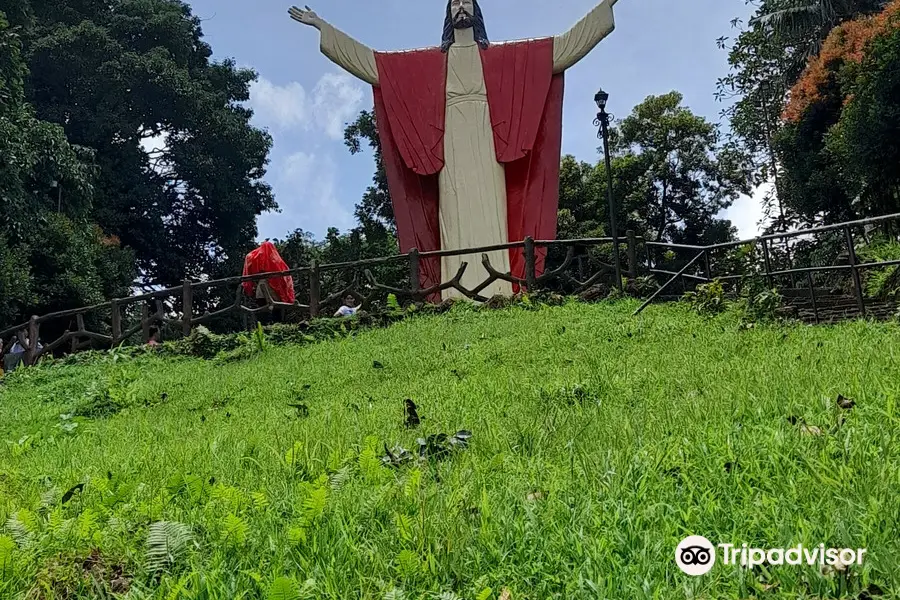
x: 266, y: 259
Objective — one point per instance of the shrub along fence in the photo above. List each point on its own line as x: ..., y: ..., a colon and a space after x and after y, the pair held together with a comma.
x: 772, y: 258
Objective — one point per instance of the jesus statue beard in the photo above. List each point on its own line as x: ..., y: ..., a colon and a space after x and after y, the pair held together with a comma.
x: 463, y: 20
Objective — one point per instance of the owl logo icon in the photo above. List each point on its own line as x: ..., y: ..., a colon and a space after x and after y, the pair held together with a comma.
x: 695, y: 555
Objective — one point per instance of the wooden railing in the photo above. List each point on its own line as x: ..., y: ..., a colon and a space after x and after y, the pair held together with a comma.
x: 159, y: 309
x: 703, y: 256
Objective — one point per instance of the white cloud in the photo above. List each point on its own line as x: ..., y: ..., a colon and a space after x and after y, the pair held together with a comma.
x: 747, y: 212
x: 335, y: 99
x: 306, y: 188
x: 280, y: 106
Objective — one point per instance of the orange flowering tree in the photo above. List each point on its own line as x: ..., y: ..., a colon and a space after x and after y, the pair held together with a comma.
x: 840, y: 144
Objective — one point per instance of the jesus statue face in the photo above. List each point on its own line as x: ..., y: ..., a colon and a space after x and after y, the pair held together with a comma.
x: 463, y: 12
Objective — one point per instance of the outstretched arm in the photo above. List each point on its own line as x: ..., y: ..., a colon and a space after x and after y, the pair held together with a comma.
x: 340, y: 48
x: 575, y: 44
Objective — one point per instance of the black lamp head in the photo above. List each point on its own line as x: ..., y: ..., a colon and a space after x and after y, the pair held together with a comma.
x: 600, y: 98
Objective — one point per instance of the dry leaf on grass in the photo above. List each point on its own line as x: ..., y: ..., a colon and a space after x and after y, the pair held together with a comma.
x: 810, y: 430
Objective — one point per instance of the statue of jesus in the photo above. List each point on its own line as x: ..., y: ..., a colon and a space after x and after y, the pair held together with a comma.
x: 471, y: 135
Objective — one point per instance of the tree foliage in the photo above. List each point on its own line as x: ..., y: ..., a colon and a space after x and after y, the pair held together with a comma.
x: 128, y: 73
x: 51, y: 256
x: 839, y: 144
x: 766, y: 58
x: 684, y: 175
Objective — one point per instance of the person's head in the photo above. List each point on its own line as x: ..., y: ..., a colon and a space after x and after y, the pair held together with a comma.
x: 463, y: 14
x: 349, y: 301
x: 154, y: 334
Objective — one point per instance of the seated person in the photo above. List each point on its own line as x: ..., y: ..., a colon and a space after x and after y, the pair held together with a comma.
x: 16, y: 353
x: 349, y: 308
x: 154, y: 337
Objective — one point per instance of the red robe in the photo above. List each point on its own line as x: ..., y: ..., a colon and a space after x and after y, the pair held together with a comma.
x: 266, y: 259
x: 525, y: 102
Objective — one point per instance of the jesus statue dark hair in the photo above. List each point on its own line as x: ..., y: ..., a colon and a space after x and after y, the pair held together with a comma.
x: 477, y: 24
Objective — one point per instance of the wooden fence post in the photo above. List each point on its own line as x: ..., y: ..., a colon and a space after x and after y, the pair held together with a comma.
x: 31, y: 347
x: 145, y: 322
x: 857, y: 284
x: 530, y: 265
x: 116, y: 323
x: 812, y: 295
x: 315, y: 294
x: 414, y: 274
x: 706, y: 265
x: 767, y: 262
x: 188, y: 307
x: 632, y: 254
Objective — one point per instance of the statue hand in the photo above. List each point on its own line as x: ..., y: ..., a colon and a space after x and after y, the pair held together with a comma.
x: 305, y: 15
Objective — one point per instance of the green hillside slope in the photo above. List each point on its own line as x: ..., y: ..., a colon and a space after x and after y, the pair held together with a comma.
x: 598, y: 442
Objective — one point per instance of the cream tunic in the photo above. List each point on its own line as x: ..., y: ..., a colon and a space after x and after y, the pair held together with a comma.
x: 472, y: 185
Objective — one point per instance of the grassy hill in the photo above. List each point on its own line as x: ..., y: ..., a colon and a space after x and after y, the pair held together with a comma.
x: 598, y: 442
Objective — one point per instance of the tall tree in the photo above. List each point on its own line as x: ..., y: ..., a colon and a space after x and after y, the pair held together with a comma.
x: 766, y: 58
x: 686, y: 176
x: 839, y: 144
x: 51, y: 256
x: 119, y: 74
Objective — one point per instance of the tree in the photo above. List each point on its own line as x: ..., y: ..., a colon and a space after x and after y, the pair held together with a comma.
x: 803, y: 25
x: 683, y: 175
x: 51, y: 257
x: 839, y: 141
x: 375, y: 208
x: 766, y: 58
x: 118, y: 74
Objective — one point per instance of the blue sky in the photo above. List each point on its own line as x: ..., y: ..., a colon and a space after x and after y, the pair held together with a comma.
x: 304, y: 100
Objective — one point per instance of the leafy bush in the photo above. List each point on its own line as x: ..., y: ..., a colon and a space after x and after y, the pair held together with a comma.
x: 883, y: 283
x: 759, y: 302
x: 108, y: 397
x: 641, y: 287
x: 708, y: 298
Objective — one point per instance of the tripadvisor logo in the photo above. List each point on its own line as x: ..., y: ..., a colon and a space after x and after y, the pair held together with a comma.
x: 696, y: 555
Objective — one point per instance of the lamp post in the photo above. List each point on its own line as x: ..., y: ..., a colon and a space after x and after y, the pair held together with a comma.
x: 602, y: 121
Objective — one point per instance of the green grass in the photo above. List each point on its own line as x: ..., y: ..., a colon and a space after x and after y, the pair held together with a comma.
x: 599, y: 442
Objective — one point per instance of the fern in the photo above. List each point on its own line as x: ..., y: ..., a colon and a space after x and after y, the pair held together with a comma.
x: 408, y: 563
x: 176, y: 591
x: 449, y: 596
x: 392, y: 304
x: 167, y: 543
x: 341, y: 477
x: 234, y: 530
x: 404, y: 526
x: 7, y: 546
x: 484, y: 594
x: 297, y: 536
x: 260, y: 501
x: 284, y: 588
x: 50, y: 497
x: 411, y: 487
x: 87, y: 524
x: 315, y: 503
x: 22, y: 527
x: 395, y: 594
